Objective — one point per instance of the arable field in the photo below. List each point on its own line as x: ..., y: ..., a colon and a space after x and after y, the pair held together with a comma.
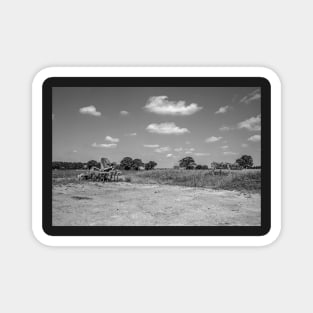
x: 159, y: 197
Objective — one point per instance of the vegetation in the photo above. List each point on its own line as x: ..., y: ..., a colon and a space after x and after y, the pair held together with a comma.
x: 68, y: 165
x: 244, y: 181
x: 128, y: 164
x: 241, y: 181
x: 187, y: 163
x: 150, y: 165
x: 245, y: 161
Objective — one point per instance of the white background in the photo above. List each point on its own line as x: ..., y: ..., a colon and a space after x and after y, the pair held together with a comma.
x: 37, y: 34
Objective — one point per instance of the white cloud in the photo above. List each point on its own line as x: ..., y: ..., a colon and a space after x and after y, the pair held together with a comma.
x: 201, y: 154
x: 229, y: 153
x: 244, y: 145
x: 161, y: 105
x: 254, y: 95
x: 74, y: 151
x: 225, y: 128
x: 222, y: 110
x: 255, y: 138
x: 253, y: 123
x: 178, y: 149
x: 166, y: 129
x: 169, y: 155
x: 110, y: 139
x: 104, y: 145
x: 224, y: 147
x: 162, y: 149
x: 131, y: 134
x: 189, y: 150
x: 124, y: 112
x: 151, y: 146
x: 91, y: 110
x: 213, y: 139
x: 187, y: 142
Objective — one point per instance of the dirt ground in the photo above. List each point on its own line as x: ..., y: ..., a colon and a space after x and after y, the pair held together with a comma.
x: 128, y: 204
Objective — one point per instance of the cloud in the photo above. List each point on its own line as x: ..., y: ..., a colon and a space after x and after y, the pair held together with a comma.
x: 104, y: 145
x: 253, y: 123
x: 178, y: 149
x: 222, y: 110
x: 187, y: 142
x: 124, y: 113
x: 229, y: 153
x: 201, y: 154
x: 110, y: 139
x: 225, y: 128
x: 189, y: 150
x: 74, y: 151
x: 162, y: 149
x: 151, y: 146
x: 244, y: 145
x: 255, y: 138
x: 161, y: 105
x: 213, y: 139
x: 166, y: 129
x: 131, y: 134
x: 169, y: 155
x: 224, y: 147
x: 53, y: 116
x: 254, y: 95
x: 91, y: 110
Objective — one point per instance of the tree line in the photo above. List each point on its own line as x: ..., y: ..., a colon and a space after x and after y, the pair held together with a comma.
x: 127, y: 163
x: 245, y: 161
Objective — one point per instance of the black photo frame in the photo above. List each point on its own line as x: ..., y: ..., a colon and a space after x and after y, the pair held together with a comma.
x: 52, y: 82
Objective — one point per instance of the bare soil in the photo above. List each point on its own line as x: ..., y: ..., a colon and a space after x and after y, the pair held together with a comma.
x: 129, y: 204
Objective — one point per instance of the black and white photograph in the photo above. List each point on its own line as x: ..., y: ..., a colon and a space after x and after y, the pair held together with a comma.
x: 156, y: 156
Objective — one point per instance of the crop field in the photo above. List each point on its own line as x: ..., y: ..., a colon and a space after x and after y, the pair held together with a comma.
x: 157, y: 198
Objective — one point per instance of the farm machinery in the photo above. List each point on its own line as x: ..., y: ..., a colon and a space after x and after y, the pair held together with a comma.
x: 106, y: 172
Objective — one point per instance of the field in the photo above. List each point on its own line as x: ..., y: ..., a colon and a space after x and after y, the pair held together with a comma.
x: 159, y: 197
x: 245, y: 180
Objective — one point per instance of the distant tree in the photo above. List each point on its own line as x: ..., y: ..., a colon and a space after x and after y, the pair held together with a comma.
x: 245, y: 161
x: 150, y: 165
x: 176, y: 167
x: 136, y: 164
x: 187, y: 162
x: 126, y: 163
x: 201, y: 167
x: 92, y: 163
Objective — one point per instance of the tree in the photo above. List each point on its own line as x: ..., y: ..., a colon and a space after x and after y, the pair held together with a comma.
x: 136, y: 164
x: 245, y: 161
x: 92, y: 163
x: 150, y: 165
x: 187, y: 162
x: 201, y: 167
x: 126, y: 163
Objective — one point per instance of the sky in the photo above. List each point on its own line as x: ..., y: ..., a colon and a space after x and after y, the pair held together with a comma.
x: 162, y: 124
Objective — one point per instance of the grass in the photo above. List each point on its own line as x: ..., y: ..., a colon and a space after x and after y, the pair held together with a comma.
x: 244, y: 181
x: 239, y: 180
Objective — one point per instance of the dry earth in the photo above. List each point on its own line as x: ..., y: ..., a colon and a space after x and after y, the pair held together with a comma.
x: 128, y: 204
